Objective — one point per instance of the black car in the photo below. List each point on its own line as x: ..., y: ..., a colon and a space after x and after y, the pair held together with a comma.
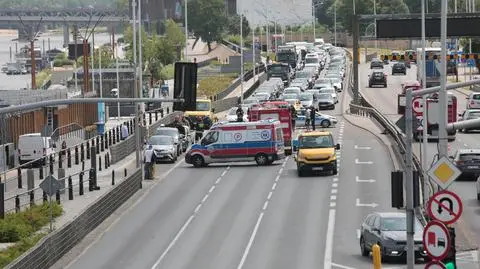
x: 399, y: 68
x: 468, y: 161
x: 377, y: 78
x: 389, y: 231
x: 376, y: 65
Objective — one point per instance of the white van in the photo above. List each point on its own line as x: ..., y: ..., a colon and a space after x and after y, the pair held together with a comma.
x: 473, y: 100
x: 34, y: 147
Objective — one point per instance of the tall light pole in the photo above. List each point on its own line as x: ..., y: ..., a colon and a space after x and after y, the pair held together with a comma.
x: 135, y: 87
x: 241, y: 58
x: 425, y: 111
x: 335, y: 22
x: 375, y: 21
x: 253, y: 52
x: 140, y: 55
x: 313, y: 18
x: 118, y: 82
x: 186, y: 30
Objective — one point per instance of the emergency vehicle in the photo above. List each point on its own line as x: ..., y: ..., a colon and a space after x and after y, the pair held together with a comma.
x: 277, y: 110
x: 260, y: 141
x: 432, y: 114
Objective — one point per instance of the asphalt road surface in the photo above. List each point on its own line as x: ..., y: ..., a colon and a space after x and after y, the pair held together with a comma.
x: 385, y: 100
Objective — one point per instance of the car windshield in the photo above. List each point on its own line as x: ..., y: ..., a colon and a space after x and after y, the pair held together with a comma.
x: 311, y: 60
x: 285, y: 56
x: 398, y: 224
x: 306, y: 97
x: 278, y: 69
x: 203, y: 106
x: 167, y: 132
x: 290, y: 91
x: 327, y: 90
x: 325, y: 96
x: 320, y: 141
x: 160, y: 140
x: 290, y: 96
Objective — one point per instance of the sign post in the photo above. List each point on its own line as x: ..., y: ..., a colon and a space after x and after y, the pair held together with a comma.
x: 445, y: 206
x: 50, y: 185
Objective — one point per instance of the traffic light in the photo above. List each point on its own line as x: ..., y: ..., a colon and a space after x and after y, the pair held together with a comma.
x: 449, y: 261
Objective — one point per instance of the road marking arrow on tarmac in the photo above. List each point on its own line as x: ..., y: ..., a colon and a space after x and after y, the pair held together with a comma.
x: 358, y: 162
x: 357, y: 179
x: 366, y: 205
x: 357, y: 147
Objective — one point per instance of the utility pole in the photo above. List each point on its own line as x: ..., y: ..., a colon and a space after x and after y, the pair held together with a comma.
x: 253, y: 52
x: 375, y: 21
x: 33, y: 35
x: 335, y: 22
x: 140, y: 66
x: 135, y: 90
x: 313, y: 15
x: 186, y: 30
x: 356, y: 60
x: 425, y: 110
x: 409, y: 180
x: 442, y: 120
x: 241, y: 58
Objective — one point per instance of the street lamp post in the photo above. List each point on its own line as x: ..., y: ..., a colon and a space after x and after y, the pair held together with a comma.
x: 313, y: 14
x: 375, y: 22
x: 253, y: 52
x: 241, y: 58
x: 186, y: 30
x: 335, y: 22
x: 135, y: 87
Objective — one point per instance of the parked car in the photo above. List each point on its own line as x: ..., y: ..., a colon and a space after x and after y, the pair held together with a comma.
x: 389, y: 231
x: 178, y: 139
x: 35, y: 147
x: 473, y: 100
x: 468, y: 161
x: 164, y: 147
x: 377, y: 78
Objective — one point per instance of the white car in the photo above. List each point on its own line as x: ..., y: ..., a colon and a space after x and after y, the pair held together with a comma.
x: 232, y: 114
x: 331, y: 91
x: 164, y: 147
x: 337, y: 84
x: 296, y: 90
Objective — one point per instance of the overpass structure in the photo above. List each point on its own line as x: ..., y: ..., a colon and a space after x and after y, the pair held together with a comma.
x: 72, y: 16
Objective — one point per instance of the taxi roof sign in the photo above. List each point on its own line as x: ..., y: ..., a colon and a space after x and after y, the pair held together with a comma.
x: 444, y: 172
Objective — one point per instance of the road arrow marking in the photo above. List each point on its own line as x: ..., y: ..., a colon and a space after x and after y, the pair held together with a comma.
x: 358, y: 162
x: 357, y: 147
x: 366, y: 205
x: 357, y: 179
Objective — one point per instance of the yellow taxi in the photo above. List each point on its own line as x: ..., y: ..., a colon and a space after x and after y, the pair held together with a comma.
x: 315, y: 152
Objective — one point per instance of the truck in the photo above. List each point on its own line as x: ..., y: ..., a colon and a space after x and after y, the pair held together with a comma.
x: 202, y: 118
x: 432, y: 121
x: 415, y: 85
x: 287, y: 54
x: 277, y: 110
x: 280, y: 70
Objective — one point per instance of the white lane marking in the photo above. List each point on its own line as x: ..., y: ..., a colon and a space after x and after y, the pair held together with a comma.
x: 211, y: 189
x: 358, y: 233
x: 357, y: 179
x: 333, y: 197
x: 187, y: 223
x: 280, y: 171
x: 259, y: 220
x: 465, y: 145
x: 342, y: 266
x: 250, y: 242
x: 365, y: 205
x: 358, y: 147
x: 327, y: 257
x: 359, y: 162
x: 172, y: 243
x: 335, y: 179
x: 133, y: 206
x: 334, y: 191
x: 334, y: 185
x: 332, y: 204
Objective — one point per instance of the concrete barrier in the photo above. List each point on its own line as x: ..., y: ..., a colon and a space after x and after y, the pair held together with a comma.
x: 52, y: 247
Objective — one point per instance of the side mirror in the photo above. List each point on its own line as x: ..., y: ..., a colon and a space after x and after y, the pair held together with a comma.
x: 295, y: 148
x: 337, y: 146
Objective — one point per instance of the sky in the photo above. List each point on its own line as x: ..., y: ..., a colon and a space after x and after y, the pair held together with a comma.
x: 286, y: 12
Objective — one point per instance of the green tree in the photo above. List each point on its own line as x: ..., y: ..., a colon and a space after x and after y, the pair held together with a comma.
x: 233, y: 25
x: 107, y: 58
x: 207, y: 19
x: 174, y: 34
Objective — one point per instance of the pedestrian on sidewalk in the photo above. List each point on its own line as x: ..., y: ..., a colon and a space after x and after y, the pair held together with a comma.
x: 124, y: 129
x: 149, y: 160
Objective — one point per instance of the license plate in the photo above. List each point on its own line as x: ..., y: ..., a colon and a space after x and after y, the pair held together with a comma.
x: 317, y: 168
x: 473, y: 167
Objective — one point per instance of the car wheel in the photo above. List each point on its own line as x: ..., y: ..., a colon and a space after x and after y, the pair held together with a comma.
x: 300, y: 172
x: 335, y: 170
x: 363, y: 248
x: 198, y: 161
x: 261, y: 159
x: 385, y: 85
x: 325, y: 123
x: 369, y: 85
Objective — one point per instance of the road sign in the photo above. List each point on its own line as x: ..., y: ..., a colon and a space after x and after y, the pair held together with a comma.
x: 444, y: 172
x: 435, y: 265
x: 445, y: 206
x: 417, y: 106
x: 436, y: 240
x: 471, y: 63
x: 419, y: 123
x: 50, y: 185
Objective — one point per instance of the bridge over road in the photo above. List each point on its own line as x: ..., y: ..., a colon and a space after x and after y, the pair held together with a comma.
x: 71, y: 16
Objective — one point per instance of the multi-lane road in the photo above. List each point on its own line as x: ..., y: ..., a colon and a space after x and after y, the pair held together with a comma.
x: 244, y: 216
x: 385, y: 100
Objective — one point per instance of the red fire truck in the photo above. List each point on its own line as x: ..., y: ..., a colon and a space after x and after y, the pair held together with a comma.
x: 277, y: 110
x: 432, y: 114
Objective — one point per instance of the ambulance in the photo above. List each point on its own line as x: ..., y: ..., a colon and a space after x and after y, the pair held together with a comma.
x: 260, y: 141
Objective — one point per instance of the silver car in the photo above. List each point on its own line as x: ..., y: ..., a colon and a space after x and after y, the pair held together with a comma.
x: 388, y: 230
x: 164, y: 147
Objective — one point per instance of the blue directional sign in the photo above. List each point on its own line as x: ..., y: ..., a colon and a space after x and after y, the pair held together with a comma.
x: 471, y: 63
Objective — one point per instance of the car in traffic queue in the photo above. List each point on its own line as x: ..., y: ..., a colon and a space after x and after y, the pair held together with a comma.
x: 259, y: 141
x: 307, y: 99
x: 321, y: 120
x: 399, y: 68
x: 315, y: 152
x: 377, y: 78
x: 249, y: 102
x: 325, y: 101
x: 280, y: 70
x: 289, y: 96
x: 178, y: 139
x: 292, y: 90
x: 164, y: 148
x: 307, y: 75
x: 295, y: 103
x: 473, y: 100
x: 331, y: 91
x: 376, y: 64
x: 469, y: 114
x: 337, y: 83
x: 389, y: 231
x: 303, y: 84
x: 467, y: 161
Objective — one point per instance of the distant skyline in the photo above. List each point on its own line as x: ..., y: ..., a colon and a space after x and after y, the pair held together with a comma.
x: 283, y: 11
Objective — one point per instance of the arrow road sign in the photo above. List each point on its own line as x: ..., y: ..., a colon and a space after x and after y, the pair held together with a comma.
x: 435, y: 265
x: 366, y: 205
x: 436, y: 240
x: 50, y: 185
x: 445, y: 206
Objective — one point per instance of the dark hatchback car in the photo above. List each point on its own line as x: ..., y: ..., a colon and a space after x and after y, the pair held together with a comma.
x: 376, y: 64
x: 468, y: 161
x: 377, y: 78
x: 389, y: 231
x: 399, y: 68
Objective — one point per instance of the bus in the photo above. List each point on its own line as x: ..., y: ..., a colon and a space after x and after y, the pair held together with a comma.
x: 432, y: 66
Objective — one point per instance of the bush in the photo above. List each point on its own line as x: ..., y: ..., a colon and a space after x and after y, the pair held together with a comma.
x: 11, y: 253
x: 213, y: 85
x: 167, y: 72
x: 43, y: 76
x: 62, y: 62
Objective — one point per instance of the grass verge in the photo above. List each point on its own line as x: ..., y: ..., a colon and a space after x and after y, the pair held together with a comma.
x: 23, y: 228
x: 42, y: 77
x: 213, y: 85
